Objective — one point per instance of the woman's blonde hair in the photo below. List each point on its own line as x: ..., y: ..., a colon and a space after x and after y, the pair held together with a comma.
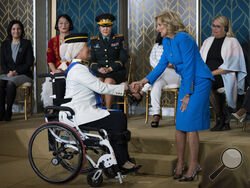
x: 227, y: 25
x: 172, y: 21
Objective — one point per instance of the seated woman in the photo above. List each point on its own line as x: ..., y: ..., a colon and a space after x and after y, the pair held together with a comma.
x: 224, y: 56
x: 108, y: 57
x: 63, y: 27
x: 16, y: 63
x: 83, y: 87
x: 168, y: 77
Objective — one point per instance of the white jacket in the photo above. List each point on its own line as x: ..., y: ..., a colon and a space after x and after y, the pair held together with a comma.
x: 81, y: 86
x: 233, y: 60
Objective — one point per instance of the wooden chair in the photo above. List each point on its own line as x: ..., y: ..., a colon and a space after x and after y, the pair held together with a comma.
x: 174, y: 88
x: 24, y: 95
x: 124, y: 102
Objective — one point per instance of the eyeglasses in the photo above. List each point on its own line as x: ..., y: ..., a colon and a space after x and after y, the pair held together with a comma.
x: 216, y: 26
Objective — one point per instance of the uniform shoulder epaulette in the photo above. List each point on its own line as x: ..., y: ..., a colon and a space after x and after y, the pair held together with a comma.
x: 94, y: 38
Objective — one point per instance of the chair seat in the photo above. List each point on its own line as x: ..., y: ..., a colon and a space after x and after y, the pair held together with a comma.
x: 26, y: 84
x: 171, y: 86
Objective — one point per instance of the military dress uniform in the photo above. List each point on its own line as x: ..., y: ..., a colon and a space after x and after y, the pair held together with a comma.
x: 83, y: 91
x: 109, y: 54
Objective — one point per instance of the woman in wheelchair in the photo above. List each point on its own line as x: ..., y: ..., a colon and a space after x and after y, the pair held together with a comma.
x: 83, y: 87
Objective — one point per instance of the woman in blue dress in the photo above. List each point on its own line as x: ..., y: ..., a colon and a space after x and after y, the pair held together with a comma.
x: 181, y: 50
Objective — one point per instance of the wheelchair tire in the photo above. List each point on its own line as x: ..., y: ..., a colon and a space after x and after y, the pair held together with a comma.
x: 94, y: 183
x: 53, y: 148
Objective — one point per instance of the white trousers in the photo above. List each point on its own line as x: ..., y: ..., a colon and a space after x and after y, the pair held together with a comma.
x: 169, y: 76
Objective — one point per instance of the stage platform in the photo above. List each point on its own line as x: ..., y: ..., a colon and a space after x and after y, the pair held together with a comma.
x: 154, y: 148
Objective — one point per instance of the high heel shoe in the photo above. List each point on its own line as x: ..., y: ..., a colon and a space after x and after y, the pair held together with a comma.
x: 191, y: 178
x: 133, y: 100
x: 154, y: 123
x: 179, y: 176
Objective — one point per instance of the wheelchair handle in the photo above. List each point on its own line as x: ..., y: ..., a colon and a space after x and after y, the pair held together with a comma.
x: 52, y: 76
x: 60, y: 108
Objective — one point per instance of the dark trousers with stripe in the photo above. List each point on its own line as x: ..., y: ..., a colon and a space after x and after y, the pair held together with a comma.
x: 115, y: 123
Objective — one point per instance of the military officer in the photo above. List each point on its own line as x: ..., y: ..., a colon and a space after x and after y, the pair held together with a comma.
x: 107, y: 54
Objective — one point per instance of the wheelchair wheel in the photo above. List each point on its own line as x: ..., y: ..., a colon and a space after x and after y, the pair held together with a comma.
x: 92, y: 181
x: 54, y: 148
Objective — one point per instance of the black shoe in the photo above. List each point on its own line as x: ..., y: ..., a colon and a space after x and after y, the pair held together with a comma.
x: 7, y: 116
x: 130, y: 170
x: 133, y: 100
x: 227, y: 126
x: 155, y: 124
x: 191, y: 178
x: 220, y: 123
x: 179, y: 176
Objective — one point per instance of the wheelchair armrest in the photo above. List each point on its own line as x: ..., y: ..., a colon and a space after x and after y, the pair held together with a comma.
x: 51, y: 75
x: 85, y: 128
x: 102, y: 132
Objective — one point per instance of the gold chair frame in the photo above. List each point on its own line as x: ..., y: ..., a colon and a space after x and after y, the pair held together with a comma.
x: 174, y: 90
x: 25, y: 97
x: 125, y: 97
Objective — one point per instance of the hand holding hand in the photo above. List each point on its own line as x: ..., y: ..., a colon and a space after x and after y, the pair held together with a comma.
x: 135, y: 87
x: 109, y: 69
x: 103, y: 70
x: 185, y: 102
x: 57, y: 71
x: 10, y: 74
x: 15, y: 72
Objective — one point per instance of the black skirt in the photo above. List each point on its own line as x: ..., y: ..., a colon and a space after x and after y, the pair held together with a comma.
x: 119, y: 76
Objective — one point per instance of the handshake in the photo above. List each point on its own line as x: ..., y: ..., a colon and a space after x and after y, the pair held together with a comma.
x: 134, y: 92
x: 134, y: 87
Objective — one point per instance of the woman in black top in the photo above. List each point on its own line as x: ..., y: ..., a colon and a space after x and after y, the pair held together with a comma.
x: 16, y: 63
x: 224, y: 56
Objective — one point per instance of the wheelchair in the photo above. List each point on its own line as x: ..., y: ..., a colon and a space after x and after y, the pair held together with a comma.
x: 58, y: 152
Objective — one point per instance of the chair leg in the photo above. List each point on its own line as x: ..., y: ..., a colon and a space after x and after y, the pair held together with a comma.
x: 30, y: 101
x: 125, y: 107
x: 25, y: 104
x: 147, y: 98
x: 244, y: 125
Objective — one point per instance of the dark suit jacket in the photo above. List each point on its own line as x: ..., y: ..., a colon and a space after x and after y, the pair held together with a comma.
x: 24, y: 59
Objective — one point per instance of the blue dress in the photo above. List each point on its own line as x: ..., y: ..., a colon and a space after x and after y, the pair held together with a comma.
x: 182, y: 51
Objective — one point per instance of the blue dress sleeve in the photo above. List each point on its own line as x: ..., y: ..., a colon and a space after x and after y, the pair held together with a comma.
x: 161, y: 66
x: 188, y: 50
